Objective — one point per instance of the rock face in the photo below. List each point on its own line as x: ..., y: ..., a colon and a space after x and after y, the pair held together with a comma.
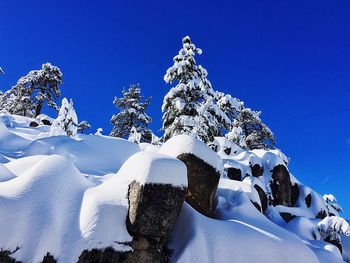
x: 203, y: 182
x: 154, y: 208
x: 5, y: 257
x: 308, y: 200
x: 234, y: 173
x: 107, y: 255
x: 281, y: 186
x: 153, y: 211
x: 257, y: 170
x: 263, y: 197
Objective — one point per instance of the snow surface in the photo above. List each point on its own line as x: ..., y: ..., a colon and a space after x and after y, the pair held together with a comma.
x: 154, y: 168
x: 188, y: 144
x: 62, y: 195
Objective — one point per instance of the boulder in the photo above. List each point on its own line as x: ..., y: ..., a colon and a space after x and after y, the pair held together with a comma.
x: 107, y: 255
x: 295, y: 193
x: 262, y: 196
x: 281, y: 186
x: 308, y: 199
x: 203, y: 182
x: 287, y: 216
x: 33, y: 124
x: 153, y: 211
x: 153, y: 208
x: 257, y: 170
x: 234, y: 173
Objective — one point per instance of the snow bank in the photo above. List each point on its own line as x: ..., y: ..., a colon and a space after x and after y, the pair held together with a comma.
x: 154, y: 168
x: 187, y: 144
x: 208, y: 240
x: 96, y: 155
x: 52, y: 208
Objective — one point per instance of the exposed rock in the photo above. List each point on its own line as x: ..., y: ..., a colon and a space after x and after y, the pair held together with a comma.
x: 153, y: 208
x: 287, y: 216
x: 153, y: 211
x: 234, y: 173
x: 5, y: 257
x: 33, y: 124
x: 308, y: 200
x: 46, y: 122
x: 257, y: 170
x: 257, y: 206
x: 281, y: 186
x: 227, y: 151
x: 107, y: 255
x: 262, y: 196
x: 295, y: 194
x: 49, y: 259
x: 203, y: 182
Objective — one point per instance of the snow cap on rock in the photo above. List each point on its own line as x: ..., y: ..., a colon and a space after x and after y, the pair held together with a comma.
x: 189, y: 144
x: 154, y: 168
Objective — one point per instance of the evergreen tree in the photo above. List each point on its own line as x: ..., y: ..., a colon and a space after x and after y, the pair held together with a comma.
x: 229, y: 105
x: 249, y: 128
x: 27, y: 97
x: 67, y: 121
x: 83, y: 125
x: 17, y: 101
x: 132, y: 114
x: 190, y: 106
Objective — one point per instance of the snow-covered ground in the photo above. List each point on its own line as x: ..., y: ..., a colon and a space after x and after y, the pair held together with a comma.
x: 61, y: 195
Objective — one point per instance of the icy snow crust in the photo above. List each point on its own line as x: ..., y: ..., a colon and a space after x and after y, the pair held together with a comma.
x: 63, y: 195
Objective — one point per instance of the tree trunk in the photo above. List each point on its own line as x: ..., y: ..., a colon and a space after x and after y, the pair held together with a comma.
x: 38, y: 108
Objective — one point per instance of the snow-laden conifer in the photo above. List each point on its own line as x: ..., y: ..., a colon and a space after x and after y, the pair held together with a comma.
x: 67, y: 121
x: 30, y: 93
x: 132, y: 114
x: 249, y: 131
x: 190, y: 106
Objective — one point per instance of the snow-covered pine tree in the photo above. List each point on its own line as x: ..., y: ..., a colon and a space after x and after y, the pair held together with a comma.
x: 83, y: 125
x: 249, y: 127
x: 190, y: 106
x: 17, y: 101
x: 229, y: 105
x: 29, y: 94
x: 67, y: 121
x: 132, y: 113
x: 43, y: 85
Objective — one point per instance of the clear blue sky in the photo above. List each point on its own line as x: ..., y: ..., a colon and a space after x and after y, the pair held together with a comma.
x: 290, y: 59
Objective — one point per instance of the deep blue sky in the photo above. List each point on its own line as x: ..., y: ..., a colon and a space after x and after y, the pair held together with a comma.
x: 290, y: 59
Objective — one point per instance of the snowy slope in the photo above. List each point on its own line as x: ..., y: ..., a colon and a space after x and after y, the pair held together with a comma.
x: 61, y: 195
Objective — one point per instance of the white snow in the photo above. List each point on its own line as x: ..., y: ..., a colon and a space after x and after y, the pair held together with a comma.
x: 154, y: 168
x: 62, y: 195
x: 188, y: 144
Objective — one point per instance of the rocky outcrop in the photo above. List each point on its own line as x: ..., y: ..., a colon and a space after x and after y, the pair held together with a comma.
x: 295, y: 194
x: 5, y: 257
x: 263, y: 198
x: 287, y: 216
x: 153, y: 211
x: 281, y: 186
x: 308, y: 200
x: 203, y: 182
x: 107, y: 255
x: 234, y: 173
x: 257, y: 170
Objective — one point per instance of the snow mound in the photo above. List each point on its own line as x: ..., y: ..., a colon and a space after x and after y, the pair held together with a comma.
x: 154, y: 168
x: 52, y: 208
x: 91, y: 154
x: 209, y: 240
x: 188, y: 144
